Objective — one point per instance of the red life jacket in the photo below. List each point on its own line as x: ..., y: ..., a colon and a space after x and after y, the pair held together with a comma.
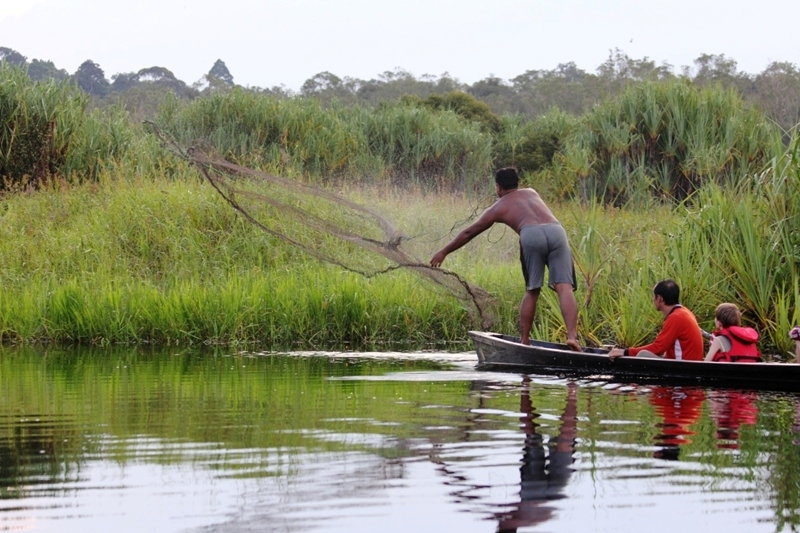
x: 743, y: 345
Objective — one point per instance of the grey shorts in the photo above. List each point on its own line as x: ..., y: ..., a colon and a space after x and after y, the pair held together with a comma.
x: 545, y: 245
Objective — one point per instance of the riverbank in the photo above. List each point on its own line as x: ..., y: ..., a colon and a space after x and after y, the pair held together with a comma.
x: 146, y: 261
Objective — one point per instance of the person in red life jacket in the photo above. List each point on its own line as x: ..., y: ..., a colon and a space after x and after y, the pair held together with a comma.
x: 794, y: 334
x: 680, y: 336
x: 732, y: 343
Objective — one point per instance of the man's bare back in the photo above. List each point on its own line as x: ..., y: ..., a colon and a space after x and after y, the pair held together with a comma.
x: 516, y: 208
x: 521, y: 207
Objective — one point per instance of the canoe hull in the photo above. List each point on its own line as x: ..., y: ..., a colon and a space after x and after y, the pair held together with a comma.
x: 503, y: 352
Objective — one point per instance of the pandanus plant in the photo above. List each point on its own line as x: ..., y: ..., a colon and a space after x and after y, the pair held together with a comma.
x: 674, y: 138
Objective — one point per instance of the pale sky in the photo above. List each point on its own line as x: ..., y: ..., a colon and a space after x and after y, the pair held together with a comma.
x: 284, y: 42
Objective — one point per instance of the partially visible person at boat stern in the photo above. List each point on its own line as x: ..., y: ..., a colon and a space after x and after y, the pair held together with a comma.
x: 680, y: 336
x: 731, y: 342
x: 543, y: 242
x: 794, y: 334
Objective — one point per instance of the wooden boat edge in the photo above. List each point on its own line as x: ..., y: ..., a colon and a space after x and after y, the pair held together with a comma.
x: 504, y: 353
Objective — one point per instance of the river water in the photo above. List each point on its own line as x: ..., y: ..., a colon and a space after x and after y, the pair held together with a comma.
x: 224, y: 441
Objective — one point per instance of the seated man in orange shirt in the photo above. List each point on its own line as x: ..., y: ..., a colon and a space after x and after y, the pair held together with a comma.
x: 679, y: 338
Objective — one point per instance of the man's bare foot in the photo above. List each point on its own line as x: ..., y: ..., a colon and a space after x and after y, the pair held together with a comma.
x: 526, y: 342
x: 574, y: 346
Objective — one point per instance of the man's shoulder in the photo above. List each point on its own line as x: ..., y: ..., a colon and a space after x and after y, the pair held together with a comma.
x: 681, y: 314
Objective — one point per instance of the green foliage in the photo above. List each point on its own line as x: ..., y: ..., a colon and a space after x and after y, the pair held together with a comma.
x: 38, y: 125
x: 91, y: 78
x: 220, y: 72
x: 12, y: 57
x: 45, y: 70
x: 166, y: 261
x: 753, y: 233
x: 46, y: 133
x: 667, y: 140
x: 171, y: 262
x: 467, y: 106
x: 300, y: 137
x: 531, y: 145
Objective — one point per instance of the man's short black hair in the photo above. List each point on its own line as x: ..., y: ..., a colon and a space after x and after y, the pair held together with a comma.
x: 507, y: 178
x: 669, y: 291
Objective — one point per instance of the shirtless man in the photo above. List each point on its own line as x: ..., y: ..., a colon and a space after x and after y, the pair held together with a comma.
x: 542, y: 242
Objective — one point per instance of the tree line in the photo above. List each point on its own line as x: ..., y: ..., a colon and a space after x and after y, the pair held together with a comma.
x: 775, y: 91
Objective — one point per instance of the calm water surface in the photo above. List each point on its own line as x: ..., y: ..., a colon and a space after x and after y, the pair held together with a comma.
x: 127, y: 440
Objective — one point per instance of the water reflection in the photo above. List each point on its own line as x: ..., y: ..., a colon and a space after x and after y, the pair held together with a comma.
x: 543, y: 476
x: 125, y: 441
x: 679, y: 408
x: 730, y: 410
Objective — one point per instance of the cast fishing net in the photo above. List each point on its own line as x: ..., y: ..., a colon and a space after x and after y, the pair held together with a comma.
x: 325, y: 225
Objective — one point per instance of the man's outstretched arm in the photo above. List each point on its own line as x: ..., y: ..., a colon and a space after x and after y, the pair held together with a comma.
x: 464, y: 236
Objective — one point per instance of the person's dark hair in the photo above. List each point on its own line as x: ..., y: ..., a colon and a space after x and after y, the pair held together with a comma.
x: 669, y: 291
x: 507, y: 178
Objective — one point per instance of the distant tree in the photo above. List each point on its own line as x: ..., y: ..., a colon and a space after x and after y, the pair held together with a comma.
x: 152, y: 75
x: 220, y: 71
x: 566, y: 87
x: 163, y: 77
x: 40, y: 70
x: 91, y: 78
x: 323, y: 81
x: 490, y: 87
x: 142, y: 93
x: 326, y: 87
x: 123, y: 81
x: 720, y: 70
x: 12, y: 57
x: 392, y: 85
x: 777, y: 93
x: 619, y: 71
x: 619, y: 66
x: 277, y: 91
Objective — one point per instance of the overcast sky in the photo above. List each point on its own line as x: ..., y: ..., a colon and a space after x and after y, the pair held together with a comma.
x: 284, y: 42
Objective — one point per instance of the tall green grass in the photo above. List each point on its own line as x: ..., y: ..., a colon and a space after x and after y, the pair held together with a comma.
x: 299, y: 137
x: 171, y: 262
x: 167, y: 261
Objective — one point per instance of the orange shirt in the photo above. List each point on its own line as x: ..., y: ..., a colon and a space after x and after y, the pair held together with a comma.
x: 679, y: 338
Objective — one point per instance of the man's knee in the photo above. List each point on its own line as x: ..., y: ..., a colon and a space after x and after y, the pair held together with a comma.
x: 564, y: 288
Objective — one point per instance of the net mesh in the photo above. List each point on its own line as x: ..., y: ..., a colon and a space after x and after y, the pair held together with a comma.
x: 326, y: 225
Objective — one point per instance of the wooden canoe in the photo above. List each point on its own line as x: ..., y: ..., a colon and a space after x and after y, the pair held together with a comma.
x: 505, y: 353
